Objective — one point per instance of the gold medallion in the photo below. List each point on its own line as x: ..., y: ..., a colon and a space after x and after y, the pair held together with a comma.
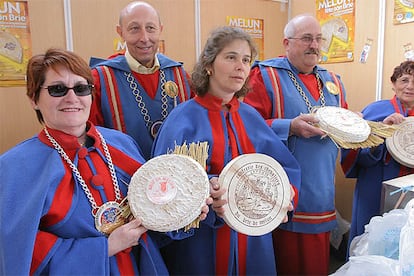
x: 107, y: 218
x: 171, y: 89
x: 332, y: 88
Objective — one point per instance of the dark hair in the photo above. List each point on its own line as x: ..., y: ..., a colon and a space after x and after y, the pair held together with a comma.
x: 218, y: 39
x: 39, y: 64
x: 406, y: 67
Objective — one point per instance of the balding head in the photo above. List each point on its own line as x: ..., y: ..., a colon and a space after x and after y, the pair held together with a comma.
x: 303, y: 55
x: 140, y: 27
x: 298, y: 22
x: 137, y: 5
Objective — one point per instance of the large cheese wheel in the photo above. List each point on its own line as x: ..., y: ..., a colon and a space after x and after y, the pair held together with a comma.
x: 343, y: 124
x: 168, y: 191
x: 10, y: 47
x: 401, y: 144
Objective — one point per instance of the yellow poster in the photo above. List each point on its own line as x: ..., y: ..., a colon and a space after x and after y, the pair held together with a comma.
x: 15, y: 42
x: 254, y: 27
x: 337, y: 19
x: 119, y: 46
x: 403, y: 11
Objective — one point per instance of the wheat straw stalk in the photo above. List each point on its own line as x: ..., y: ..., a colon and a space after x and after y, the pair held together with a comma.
x: 381, y: 129
x: 372, y: 141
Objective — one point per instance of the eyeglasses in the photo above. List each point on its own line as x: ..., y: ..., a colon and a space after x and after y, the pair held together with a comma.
x: 405, y: 80
x: 307, y: 39
x: 60, y: 90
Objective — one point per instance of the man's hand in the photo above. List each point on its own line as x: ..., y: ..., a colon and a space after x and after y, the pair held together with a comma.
x: 303, y: 126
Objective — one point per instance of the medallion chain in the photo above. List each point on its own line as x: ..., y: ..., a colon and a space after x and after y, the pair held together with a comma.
x: 141, y: 104
x: 302, y: 93
x: 77, y: 174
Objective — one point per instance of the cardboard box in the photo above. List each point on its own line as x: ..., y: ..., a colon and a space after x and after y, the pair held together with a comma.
x: 397, y: 192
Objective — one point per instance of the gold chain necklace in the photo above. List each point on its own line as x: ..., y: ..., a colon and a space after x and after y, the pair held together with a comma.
x: 302, y: 93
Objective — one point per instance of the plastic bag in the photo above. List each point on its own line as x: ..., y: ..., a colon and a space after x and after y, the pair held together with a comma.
x: 407, y: 245
x: 384, y: 233
x: 369, y: 265
x: 381, y: 236
x: 393, y: 232
x: 359, y: 245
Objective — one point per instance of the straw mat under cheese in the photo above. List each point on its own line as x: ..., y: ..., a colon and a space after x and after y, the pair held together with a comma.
x: 350, y: 131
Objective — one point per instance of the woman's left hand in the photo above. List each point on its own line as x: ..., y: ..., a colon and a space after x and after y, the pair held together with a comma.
x: 216, y: 192
x: 205, y: 209
x: 125, y: 236
x: 394, y: 119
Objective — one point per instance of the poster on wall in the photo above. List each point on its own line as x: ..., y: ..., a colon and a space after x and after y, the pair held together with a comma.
x: 337, y: 19
x: 253, y: 26
x: 403, y: 11
x: 119, y: 46
x: 408, y: 51
x: 15, y: 42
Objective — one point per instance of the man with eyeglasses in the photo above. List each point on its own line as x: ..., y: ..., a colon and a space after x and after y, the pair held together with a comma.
x: 285, y: 90
x: 137, y: 90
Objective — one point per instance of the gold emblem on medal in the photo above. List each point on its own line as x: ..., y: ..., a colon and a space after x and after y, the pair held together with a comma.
x: 332, y: 88
x: 107, y: 216
x: 171, y: 89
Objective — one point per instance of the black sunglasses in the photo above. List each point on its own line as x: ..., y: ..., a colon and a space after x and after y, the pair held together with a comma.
x: 60, y: 90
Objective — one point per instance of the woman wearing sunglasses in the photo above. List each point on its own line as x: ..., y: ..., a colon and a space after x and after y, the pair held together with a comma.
x: 62, y: 189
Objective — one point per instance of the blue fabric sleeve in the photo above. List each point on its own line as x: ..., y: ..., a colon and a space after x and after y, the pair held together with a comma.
x: 281, y: 127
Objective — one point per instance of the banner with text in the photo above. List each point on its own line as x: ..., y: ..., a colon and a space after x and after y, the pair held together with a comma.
x: 15, y: 42
x: 253, y: 26
x: 403, y: 11
x: 337, y: 19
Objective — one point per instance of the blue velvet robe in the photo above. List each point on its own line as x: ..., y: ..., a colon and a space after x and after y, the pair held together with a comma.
x: 46, y: 221
x: 371, y: 168
x: 215, y: 248
x: 122, y: 111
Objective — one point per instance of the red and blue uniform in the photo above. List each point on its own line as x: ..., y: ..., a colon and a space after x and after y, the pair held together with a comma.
x: 115, y: 105
x: 216, y: 249
x: 275, y: 96
x: 46, y: 221
x: 317, y: 157
x: 371, y: 167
